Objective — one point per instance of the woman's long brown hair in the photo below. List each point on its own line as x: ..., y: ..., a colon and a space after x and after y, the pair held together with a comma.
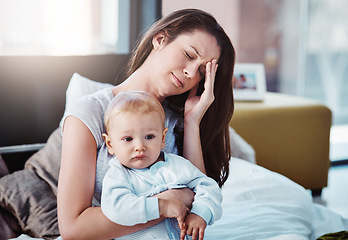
x: 214, y: 125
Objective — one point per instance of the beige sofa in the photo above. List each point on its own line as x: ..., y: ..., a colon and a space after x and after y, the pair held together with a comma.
x: 290, y: 135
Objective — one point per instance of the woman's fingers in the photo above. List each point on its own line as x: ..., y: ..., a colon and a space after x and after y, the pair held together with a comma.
x: 211, y: 69
x: 196, y: 106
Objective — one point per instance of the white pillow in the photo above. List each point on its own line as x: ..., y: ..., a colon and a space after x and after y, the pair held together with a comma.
x: 80, y: 86
x: 240, y: 148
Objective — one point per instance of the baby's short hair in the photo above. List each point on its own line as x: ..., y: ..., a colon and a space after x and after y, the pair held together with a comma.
x: 135, y: 102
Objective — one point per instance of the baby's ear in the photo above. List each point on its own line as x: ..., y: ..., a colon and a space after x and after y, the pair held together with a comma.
x: 164, y: 137
x: 108, y: 143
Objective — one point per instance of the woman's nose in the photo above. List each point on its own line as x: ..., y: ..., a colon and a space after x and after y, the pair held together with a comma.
x: 191, y: 70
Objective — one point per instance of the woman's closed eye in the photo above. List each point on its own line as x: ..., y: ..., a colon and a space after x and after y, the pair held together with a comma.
x: 201, y: 70
x: 188, y: 55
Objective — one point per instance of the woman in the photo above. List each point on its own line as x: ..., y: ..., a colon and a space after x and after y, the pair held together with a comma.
x: 177, y: 62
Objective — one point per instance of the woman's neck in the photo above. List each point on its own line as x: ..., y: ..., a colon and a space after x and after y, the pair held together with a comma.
x: 138, y: 81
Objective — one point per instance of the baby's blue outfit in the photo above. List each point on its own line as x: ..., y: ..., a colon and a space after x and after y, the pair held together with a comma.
x: 126, y: 195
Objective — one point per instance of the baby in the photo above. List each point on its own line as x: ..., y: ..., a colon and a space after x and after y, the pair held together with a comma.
x: 135, y: 135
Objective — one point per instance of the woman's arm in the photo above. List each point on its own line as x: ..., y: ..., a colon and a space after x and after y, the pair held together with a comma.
x: 76, y: 217
x: 195, y: 108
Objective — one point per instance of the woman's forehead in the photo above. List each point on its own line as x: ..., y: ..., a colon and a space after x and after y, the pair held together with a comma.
x: 202, y: 43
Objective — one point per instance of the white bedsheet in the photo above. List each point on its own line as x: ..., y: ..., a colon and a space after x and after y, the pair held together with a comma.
x: 260, y: 204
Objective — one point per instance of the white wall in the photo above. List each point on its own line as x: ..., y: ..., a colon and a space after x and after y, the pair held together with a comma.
x: 226, y: 13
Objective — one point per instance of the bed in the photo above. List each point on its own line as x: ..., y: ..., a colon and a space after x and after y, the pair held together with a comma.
x: 257, y: 203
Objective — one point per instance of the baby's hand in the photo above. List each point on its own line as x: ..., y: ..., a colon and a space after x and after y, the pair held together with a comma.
x: 194, y: 226
x: 173, y: 208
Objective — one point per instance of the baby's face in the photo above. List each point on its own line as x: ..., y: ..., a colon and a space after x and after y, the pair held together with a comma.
x: 137, y: 139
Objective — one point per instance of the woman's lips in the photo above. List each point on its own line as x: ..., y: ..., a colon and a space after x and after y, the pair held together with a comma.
x: 177, y: 81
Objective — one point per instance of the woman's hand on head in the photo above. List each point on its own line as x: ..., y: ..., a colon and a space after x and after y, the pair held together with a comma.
x: 196, y: 106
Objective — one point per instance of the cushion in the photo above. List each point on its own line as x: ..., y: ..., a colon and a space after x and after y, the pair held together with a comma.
x: 46, y: 162
x: 240, y: 148
x: 30, y: 194
x: 80, y: 86
x: 8, y: 225
x: 31, y: 201
x: 3, y: 168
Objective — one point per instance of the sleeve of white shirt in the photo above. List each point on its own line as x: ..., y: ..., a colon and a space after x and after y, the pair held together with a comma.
x: 120, y: 204
x: 208, y: 196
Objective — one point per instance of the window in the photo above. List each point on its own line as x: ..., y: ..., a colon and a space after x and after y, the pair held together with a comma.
x: 326, y: 66
x: 327, y: 56
x: 304, y: 47
x: 63, y: 27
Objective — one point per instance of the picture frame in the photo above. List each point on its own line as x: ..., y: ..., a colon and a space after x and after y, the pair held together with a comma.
x: 249, y: 82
